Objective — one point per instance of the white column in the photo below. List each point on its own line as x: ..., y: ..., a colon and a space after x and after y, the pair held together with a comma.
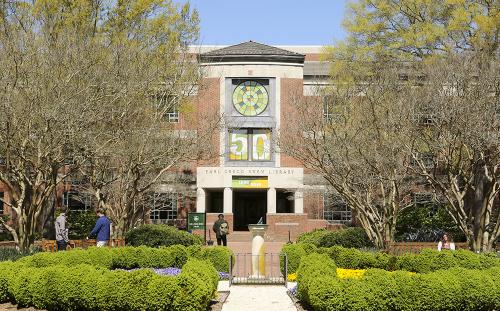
x: 271, y: 200
x: 299, y: 202
x: 228, y: 201
x: 200, y: 200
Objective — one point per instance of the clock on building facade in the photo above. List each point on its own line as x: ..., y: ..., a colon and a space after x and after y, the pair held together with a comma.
x: 250, y: 98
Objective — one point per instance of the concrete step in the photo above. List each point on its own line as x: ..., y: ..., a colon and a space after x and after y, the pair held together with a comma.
x: 246, y: 236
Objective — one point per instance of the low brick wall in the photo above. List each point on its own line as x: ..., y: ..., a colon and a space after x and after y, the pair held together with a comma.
x: 397, y: 248
x: 51, y: 245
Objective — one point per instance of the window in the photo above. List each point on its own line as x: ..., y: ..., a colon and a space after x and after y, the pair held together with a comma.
x: 425, y: 116
x: 168, y: 106
x: 336, y: 209
x: 250, y: 145
x: 2, y: 196
x: 172, y: 115
x: 77, y: 201
x: 163, y: 207
x: 423, y: 198
x: 427, y: 160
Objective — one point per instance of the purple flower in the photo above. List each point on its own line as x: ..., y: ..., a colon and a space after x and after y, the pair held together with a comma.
x: 172, y: 271
x: 224, y: 276
x: 293, y: 291
x: 167, y: 271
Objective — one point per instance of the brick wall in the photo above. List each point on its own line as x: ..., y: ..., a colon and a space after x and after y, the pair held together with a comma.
x: 207, y: 107
x: 312, y: 57
x: 313, y: 205
x: 291, y: 90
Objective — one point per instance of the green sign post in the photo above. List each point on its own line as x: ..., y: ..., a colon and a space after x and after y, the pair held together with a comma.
x: 197, y: 221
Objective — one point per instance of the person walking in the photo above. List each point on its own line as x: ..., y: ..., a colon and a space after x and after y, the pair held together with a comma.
x: 221, y: 228
x: 101, y: 229
x: 62, y: 239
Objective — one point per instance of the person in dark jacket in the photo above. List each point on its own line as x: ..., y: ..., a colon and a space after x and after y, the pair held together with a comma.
x: 101, y: 229
x: 221, y: 228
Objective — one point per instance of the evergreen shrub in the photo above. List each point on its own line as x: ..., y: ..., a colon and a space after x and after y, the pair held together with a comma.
x: 452, y: 289
x: 160, y: 235
x: 427, y: 261
x: 84, y: 287
x: 353, y: 237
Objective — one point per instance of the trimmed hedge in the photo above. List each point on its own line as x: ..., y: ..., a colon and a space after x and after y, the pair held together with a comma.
x: 353, y: 237
x: 308, y: 271
x: 425, y: 262
x: 294, y: 254
x: 84, y: 287
x: 132, y: 257
x: 160, y: 235
x: 218, y: 256
x: 453, y: 289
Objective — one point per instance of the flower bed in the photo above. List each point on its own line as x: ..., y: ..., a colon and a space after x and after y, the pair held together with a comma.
x: 133, y: 257
x: 453, y: 289
x: 425, y: 262
x: 179, y: 278
x: 172, y: 271
x: 84, y: 287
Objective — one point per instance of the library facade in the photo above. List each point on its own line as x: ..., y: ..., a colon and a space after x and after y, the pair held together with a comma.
x: 252, y: 85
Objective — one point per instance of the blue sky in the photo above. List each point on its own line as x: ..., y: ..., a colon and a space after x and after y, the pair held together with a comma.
x: 275, y: 22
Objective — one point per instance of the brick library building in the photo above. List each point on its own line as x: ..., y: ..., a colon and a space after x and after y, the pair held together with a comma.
x: 252, y: 86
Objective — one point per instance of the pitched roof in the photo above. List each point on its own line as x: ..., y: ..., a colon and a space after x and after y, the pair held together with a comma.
x: 251, y: 50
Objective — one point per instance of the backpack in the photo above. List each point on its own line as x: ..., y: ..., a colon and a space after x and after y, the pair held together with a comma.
x: 224, y: 228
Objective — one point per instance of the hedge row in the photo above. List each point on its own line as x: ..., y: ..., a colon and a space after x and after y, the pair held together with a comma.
x: 153, y: 235
x: 453, y: 289
x: 133, y: 257
x: 85, y: 287
x: 425, y: 262
x: 354, y: 237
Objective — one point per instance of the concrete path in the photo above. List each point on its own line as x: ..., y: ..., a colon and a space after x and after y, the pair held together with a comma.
x: 258, y: 297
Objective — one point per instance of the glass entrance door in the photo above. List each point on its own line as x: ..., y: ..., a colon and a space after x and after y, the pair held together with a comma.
x: 248, y: 208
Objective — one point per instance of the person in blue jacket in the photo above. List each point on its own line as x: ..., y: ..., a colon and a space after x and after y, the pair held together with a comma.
x: 101, y: 229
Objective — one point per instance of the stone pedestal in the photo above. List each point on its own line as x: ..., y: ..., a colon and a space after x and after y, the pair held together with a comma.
x: 258, y: 250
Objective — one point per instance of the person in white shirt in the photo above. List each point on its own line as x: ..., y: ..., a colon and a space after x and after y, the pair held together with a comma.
x: 446, y: 243
x: 61, y: 231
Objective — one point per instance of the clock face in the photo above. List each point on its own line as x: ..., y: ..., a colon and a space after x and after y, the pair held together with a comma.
x: 250, y: 98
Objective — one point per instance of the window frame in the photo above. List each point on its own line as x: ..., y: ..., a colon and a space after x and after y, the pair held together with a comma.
x: 249, y: 138
x: 2, y: 203
x: 155, y: 212
x: 333, y: 199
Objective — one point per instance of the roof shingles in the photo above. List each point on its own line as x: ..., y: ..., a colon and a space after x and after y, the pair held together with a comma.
x: 251, y: 50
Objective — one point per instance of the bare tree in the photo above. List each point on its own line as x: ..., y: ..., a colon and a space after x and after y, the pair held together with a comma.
x: 459, y: 101
x: 75, y: 76
x: 356, y: 143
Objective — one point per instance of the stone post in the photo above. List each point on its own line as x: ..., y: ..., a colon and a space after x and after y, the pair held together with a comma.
x: 258, y: 250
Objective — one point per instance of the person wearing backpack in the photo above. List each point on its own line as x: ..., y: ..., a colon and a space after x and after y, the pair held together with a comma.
x: 221, y: 228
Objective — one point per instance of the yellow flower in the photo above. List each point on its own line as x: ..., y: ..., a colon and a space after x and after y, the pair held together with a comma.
x: 350, y: 273
x: 292, y: 277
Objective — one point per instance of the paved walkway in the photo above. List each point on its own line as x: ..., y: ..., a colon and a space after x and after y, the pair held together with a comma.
x: 258, y: 297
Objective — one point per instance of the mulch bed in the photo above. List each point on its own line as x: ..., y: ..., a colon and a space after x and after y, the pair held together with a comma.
x: 11, y: 307
x: 299, y: 304
x: 216, y: 305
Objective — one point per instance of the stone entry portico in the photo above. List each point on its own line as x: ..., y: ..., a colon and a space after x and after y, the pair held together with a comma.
x: 274, y: 180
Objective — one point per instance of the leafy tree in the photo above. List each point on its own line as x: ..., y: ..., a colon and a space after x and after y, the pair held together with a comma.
x: 414, y: 30
x: 76, y: 77
x: 448, y: 52
x: 357, y: 144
